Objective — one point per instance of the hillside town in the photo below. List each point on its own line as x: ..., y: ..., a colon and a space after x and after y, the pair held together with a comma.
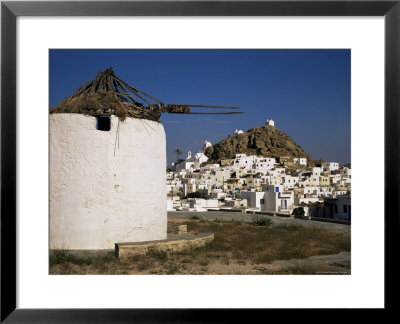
x: 283, y: 186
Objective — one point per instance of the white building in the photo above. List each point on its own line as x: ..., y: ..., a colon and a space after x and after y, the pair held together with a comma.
x: 345, y: 172
x: 316, y: 171
x: 170, y: 206
x: 277, y: 199
x: 336, y: 208
x: 253, y: 198
x: 330, y: 166
x: 192, y: 162
x: 218, y: 177
x: 308, y: 200
x: 200, y: 204
x: 207, y: 144
x: 280, y: 170
x: 272, y: 179
x: 334, y: 179
x: 301, y: 161
x: 270, y: 122
x: 344, y: 207
x: 218, y: 194
x: 238, y: 131
x: 210, y: 167
x: 252, y: 182
x: 199, y: 158
x: 264, y: 164
x: 311, y: 191
x: 289, y: 181
x: 241, y: 160
x: 187, y: 164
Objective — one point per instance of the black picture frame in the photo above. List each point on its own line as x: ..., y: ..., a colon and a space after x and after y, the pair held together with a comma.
x: 10, y: 10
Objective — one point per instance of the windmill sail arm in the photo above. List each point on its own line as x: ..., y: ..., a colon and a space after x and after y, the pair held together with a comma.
x: 185, y: 109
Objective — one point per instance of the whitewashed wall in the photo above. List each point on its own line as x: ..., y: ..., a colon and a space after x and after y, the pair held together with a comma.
x: 106, y: 189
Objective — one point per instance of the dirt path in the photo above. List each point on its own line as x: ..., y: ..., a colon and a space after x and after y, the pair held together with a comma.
x: 319, y: 265
x: 323, y: 264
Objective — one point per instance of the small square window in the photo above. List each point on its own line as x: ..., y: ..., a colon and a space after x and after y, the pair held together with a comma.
x: 103, y: 123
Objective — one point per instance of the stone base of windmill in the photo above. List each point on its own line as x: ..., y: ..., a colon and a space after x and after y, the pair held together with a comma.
x: 173, y: 243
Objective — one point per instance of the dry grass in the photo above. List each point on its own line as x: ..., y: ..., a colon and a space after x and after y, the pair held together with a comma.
x: 238, y: 248
x: 103, y: 103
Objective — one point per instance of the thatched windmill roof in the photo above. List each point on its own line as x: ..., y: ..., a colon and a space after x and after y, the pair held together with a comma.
x: 109, y: 95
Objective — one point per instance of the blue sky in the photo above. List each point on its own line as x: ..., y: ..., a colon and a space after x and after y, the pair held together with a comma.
x: 306, y: 92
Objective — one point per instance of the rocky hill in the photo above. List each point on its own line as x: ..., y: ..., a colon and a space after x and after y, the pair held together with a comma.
x: 265, y: 141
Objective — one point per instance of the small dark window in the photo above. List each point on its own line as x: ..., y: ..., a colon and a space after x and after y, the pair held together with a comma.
x: 345, y: 208
x: 103, y: 123
x: 262, y: 201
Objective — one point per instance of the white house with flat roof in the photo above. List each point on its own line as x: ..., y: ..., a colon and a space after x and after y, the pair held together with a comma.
x: 277, y: 199
x: 264, y: 164
x: 289, y: 181
x: 316, y: 171
x: 242, y: 160
x: 336, y: 208
x: 345, y: 172
x: 330, y: 166
x: 301, y: 161
x: 253, y: 198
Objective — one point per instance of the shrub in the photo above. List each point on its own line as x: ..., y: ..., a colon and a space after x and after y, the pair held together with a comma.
x: 194, y: 217
x: 264, y: 221
x: 261, y: 221
x: 298, y: 212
